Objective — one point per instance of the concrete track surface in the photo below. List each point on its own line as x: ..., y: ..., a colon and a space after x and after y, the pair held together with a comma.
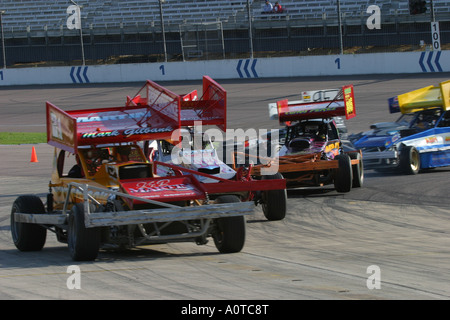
x: 394, y: 232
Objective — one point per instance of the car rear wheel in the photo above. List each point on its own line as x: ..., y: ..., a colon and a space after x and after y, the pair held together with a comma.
x: 28, y: 236
x: 343, y: 176
x: 409, y: 160
x: 229, y: 236
x: 84, y: 243
x: 274, y: 201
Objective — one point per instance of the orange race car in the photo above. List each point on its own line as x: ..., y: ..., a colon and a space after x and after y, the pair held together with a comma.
x: 311, y: 153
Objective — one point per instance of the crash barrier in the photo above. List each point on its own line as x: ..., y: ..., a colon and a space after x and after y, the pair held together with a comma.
x: 330, y: 65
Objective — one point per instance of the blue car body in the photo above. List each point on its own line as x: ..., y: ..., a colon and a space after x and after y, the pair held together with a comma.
x: 433, y: 146
x: 421, y: 137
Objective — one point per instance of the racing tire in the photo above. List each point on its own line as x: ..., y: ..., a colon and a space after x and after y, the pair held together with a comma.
x: 409, y: 160
x: 357, y: 170
x: 274, y: 201
x: 343, y: 176
x: 230, y: 234
x: 28, y: 236
x: 83, y: 243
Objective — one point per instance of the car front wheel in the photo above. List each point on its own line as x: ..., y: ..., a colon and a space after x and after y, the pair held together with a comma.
x: 229, y: 236
x: 274, y: 201
x: 409, y: 160
x: 84, y: 243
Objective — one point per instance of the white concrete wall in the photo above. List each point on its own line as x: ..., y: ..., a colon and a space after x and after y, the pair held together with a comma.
x: 378, y: 63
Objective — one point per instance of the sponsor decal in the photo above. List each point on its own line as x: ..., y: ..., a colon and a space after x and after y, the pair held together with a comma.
x: 100, y: 134
x: 431, y: 140
x: 349, y: 105
x: 112, y: 171
x: 94, y: 117
x: 61, y: 127
x: 331, y: 147
x: 127, y: 132
x: 130, y: 132
x: 292, y: 113
x: 393, y: 139
x: 160, y: 185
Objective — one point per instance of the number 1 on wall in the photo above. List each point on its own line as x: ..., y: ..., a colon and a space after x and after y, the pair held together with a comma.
x: 338, y: 62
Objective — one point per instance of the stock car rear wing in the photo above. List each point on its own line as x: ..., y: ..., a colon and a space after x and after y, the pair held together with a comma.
x: 154, y: 113
x: 342, y: 105
x: 210, y: 109
x: 421, y: 99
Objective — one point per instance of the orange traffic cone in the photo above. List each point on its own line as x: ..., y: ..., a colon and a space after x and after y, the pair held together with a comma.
x: 33, y: 155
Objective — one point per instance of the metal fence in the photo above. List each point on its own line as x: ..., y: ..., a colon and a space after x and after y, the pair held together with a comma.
x: 263, y: 35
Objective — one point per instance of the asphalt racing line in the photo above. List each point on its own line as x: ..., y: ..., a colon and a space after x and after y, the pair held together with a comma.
x: 346, y: 275
x: 363, y: 212
x: 65, y: 273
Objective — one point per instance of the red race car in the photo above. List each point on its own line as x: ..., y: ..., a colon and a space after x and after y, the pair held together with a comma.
x: 104, y: 191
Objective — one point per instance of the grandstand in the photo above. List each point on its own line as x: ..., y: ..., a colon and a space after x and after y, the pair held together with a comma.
x: 42, y: 24
x: 22, y: 15
x: 34, y: 16
x: 323, y: 9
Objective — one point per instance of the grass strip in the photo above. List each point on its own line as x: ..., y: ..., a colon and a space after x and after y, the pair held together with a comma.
x: 22, y: 137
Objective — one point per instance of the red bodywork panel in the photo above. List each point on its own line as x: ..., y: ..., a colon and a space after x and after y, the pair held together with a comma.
x: 224, y: 185
x: 164, y: 189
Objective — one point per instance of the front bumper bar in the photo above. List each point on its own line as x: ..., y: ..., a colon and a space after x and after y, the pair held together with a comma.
x: 167, y: 213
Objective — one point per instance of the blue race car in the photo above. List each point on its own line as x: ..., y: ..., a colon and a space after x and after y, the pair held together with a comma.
x: 419, y: 139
